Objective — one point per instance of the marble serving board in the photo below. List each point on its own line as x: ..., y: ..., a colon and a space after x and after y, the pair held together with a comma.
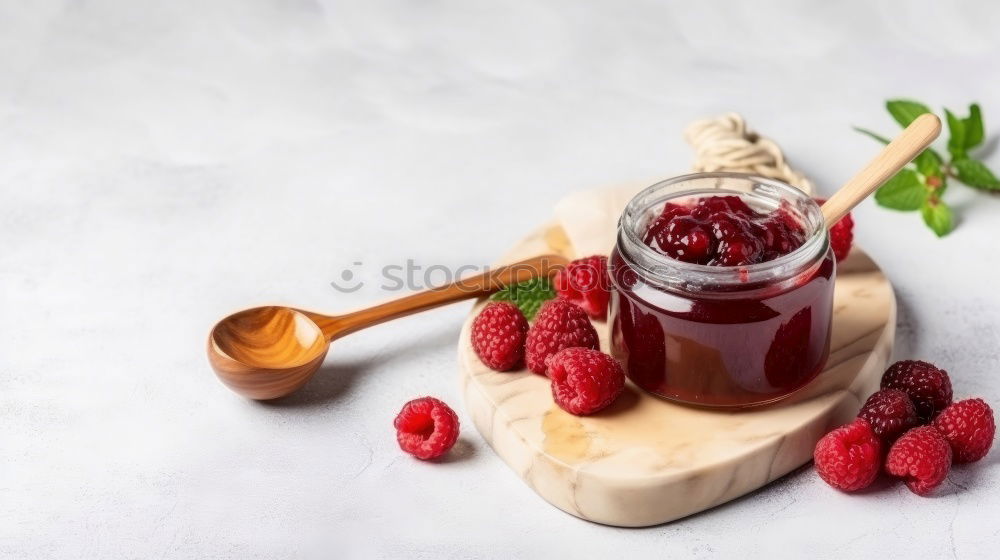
x: 645, y: 461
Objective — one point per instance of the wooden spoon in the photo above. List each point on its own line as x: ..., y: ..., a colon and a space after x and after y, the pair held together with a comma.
x: 908, y: 145
x: 269, y: 352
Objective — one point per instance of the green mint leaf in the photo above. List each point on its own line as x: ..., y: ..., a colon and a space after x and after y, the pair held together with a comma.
x: 528, y: 296
x: 928, y: 163
x: 905, y: 111
x: 966, y: 133
x: 974, y: 132
x: 938, y: 217
x: 975, y: 174
x: 904, y: 191
x: 956, y: 143
x: 871, y: 134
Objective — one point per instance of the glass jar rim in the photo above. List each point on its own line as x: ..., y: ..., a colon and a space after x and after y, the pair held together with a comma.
x: 673, y: 273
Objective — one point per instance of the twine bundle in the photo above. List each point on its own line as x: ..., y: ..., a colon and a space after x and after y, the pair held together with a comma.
x: 725, y: 143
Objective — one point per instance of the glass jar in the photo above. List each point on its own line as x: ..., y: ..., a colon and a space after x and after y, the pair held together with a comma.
x: 721, y: 336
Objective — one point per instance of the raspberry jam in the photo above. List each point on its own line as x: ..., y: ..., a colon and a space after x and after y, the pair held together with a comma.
x: 723, y: 231
x: 722, y: 290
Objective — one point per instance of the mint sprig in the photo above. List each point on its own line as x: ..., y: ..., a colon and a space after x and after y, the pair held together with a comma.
x: 975, y: 174
x: 528, y: 296
x: 921, y: 185
x: 905, y: 112
x: 904, y: 191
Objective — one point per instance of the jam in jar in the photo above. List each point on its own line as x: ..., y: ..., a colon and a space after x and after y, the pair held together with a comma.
x: 722, y: 290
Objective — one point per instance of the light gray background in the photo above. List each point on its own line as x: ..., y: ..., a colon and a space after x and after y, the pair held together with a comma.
x: 165, y: 163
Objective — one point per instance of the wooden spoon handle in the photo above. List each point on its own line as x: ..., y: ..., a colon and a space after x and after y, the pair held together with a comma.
x: 466, y: 288
x: 887, y: 163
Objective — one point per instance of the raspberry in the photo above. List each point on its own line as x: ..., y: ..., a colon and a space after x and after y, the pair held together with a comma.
x: 669, y: 212
x: 584, y: 380
x: 848, y: 458
x: 585, y: 282
x: 890, y: 413
x: 928, y: 387
x: 781, y: 234
x: 498, y: 335
x: 688, y: 239
x: 921, y: 457
x: 841, y: 235
x: 559, y: 324
x: 969, y: 428
x: 426, y: 428
x: 730, y: 204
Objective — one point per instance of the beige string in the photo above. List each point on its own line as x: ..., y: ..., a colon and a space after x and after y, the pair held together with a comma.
x: 724, y: 143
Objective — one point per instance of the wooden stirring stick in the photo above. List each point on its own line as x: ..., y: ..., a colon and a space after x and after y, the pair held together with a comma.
x: 908, y: 145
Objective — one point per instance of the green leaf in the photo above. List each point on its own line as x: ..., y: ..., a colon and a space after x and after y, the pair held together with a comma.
x: 956, y: 143
x: 904, y: 191
x: 928, y: 163
x: 874, y: 135
x: 528, y: 296
x: 905, y: 111
x: 938, y: 217
x: 974, y: 132
x: 975, y: 174
x: 966, y: 133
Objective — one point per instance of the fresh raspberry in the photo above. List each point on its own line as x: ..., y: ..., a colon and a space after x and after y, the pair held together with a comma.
x: 848, y: 458
x: 585, y: 282
x: 426, y: 428
x: 969, y: 427
x: 559, y: 324
x: 498, y: 335
x: 921, y: 457
x: 841, y: 235
x: 890, y: 413
x: 928, y: 387
x: 584, y: 380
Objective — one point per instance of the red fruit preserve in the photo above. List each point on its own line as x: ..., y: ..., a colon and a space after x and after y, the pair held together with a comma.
x: 722, y: 290
x: 723, y: 230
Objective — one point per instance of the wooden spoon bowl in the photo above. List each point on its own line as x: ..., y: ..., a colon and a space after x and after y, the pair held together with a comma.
x: 266, y: 352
